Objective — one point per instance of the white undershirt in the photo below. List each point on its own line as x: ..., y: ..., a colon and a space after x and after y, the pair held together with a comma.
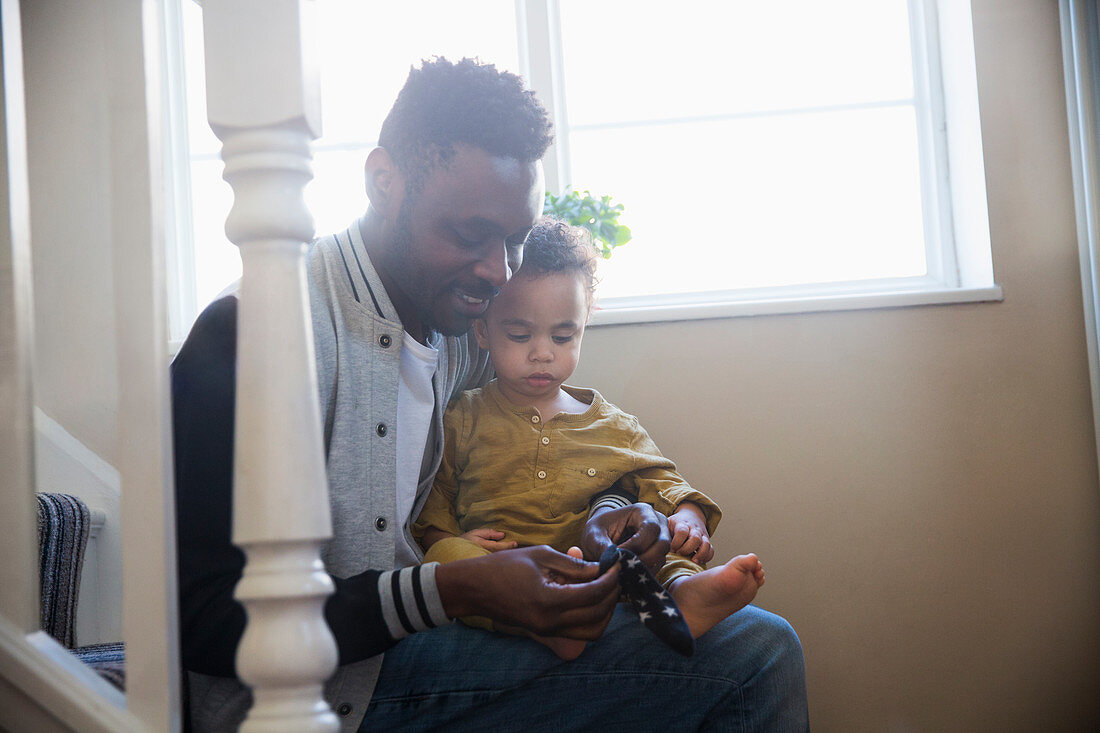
x: 415, y: 405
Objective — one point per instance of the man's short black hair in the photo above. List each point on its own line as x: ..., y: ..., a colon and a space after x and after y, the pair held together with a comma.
x: 444, y: 103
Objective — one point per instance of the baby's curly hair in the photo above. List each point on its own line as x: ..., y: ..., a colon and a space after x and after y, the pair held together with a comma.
x: 445, y: 103
x: 554, y: 246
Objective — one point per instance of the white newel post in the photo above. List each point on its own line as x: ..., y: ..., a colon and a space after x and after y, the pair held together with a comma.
x: 263, y: 103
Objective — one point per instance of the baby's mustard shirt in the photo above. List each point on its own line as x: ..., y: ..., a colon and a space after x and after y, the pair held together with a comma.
x: 505, y: 467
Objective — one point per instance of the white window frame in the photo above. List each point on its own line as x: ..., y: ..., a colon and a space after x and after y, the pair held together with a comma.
x: 181, y: 303
x: 952, y: 176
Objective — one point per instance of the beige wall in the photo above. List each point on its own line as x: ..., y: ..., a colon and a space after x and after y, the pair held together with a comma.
x: 921, y: 483
x: 68, y: 99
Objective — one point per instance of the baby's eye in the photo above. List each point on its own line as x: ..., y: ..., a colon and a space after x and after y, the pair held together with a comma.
x: 563, y: 339
x: 518, y: 337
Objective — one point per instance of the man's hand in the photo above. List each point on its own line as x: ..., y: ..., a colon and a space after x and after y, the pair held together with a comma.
x: 639, y: 528
x: 689, y: 533
x: 489, y: 539
x: 536, y: 588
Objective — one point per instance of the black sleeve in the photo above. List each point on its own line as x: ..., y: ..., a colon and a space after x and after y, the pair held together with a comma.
x: 211, y: 621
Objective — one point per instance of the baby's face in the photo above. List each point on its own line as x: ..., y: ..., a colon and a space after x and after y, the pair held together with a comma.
x: 533, y: 332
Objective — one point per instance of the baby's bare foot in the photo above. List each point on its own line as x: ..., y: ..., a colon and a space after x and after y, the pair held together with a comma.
x: 567, y: 649
x: 707, y: 598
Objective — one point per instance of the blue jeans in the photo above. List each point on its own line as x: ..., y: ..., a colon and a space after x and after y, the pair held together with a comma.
x: 747, y: 674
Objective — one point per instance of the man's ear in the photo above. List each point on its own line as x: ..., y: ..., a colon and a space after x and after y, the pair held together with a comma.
x: 481, y: 333
x: 384, y: 183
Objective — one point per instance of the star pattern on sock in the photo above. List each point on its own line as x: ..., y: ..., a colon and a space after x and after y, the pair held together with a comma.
x: 655, y: 607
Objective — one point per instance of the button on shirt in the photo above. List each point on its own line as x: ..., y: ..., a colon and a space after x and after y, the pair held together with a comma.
x: 532, y: 477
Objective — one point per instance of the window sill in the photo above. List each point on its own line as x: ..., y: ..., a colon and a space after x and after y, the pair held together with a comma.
x: 612, y: 314
x: 617, y: 314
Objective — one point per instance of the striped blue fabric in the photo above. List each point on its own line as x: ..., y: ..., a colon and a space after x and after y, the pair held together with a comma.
x: 63, y: 524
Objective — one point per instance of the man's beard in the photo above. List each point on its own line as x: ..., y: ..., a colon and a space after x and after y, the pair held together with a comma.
x: 402, y: 246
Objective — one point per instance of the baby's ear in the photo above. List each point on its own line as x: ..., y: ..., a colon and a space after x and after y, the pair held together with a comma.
x: 481, y: 333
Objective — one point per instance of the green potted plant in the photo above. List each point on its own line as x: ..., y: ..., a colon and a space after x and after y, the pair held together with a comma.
x: 597, y: 215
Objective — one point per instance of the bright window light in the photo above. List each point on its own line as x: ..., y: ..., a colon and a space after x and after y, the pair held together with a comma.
x: 761, y: 150
x: 753, y: 144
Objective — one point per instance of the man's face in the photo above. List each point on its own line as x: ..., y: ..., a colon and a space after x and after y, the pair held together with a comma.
x: 460, y: 239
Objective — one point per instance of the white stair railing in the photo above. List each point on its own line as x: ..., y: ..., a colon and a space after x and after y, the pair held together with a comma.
x: 42, y: 686
x: 263, y: 103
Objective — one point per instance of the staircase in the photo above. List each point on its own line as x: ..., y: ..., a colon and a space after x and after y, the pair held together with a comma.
x: 263, y: 103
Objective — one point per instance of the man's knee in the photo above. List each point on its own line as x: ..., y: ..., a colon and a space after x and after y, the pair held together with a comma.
x: 781, y: 636
x: 759, y: 637
x: 762, y: 656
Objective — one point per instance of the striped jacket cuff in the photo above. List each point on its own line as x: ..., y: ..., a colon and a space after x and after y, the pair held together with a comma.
x: 410, y: 600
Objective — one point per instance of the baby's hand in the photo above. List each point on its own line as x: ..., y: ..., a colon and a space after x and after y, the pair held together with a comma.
x: 688, y: 527
x: 490, y: 539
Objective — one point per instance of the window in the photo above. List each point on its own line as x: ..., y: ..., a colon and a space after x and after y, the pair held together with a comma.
x: 790, y: 154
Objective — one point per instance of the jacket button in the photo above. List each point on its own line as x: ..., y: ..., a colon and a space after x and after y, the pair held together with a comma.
x: 344, y: 709
x: 384, y: 341
x: 382, y: 429
x: 380, y: 524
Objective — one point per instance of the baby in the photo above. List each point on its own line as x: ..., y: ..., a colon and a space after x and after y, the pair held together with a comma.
x: 525, y: 455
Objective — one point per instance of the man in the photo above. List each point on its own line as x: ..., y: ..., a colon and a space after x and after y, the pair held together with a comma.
x: 454, y: 187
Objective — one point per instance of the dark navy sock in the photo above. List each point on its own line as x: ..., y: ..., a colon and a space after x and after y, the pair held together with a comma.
x: 654, y: 605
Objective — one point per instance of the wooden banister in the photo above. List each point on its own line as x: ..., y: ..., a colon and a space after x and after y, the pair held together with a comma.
x: 263, y: 103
